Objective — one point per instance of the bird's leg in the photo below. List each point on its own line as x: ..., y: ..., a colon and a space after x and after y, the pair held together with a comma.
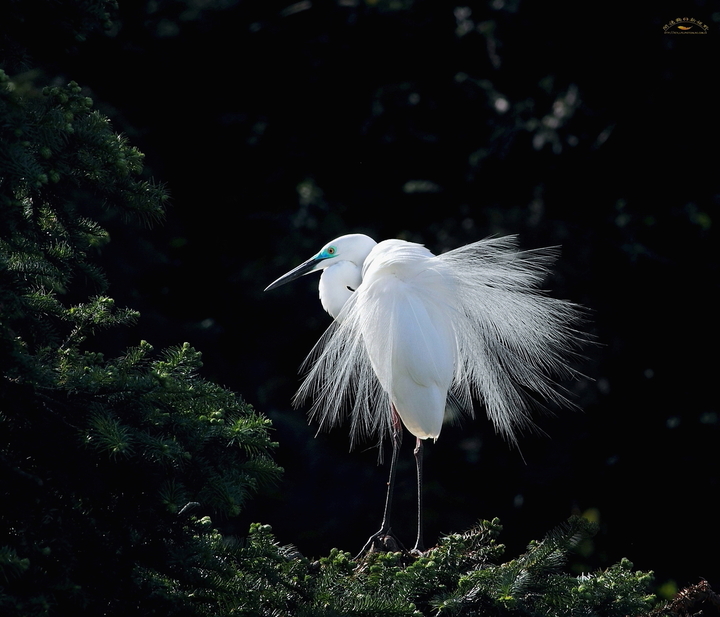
x: 419, y: 544
x: 383, y: 539
x: 396, y: 441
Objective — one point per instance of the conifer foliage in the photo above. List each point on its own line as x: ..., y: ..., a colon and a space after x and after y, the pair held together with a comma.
x: 460, y: 576
x: 109, y: 467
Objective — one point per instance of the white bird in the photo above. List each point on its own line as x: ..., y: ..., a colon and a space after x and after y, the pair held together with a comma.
x: 415, y: 333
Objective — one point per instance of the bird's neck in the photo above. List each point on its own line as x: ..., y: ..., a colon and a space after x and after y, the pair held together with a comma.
x: 337, y: 284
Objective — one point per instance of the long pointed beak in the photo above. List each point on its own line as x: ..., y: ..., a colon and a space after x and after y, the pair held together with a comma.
x: 301, y: 270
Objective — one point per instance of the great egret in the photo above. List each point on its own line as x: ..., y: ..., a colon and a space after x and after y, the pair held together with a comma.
x: 414, y: 333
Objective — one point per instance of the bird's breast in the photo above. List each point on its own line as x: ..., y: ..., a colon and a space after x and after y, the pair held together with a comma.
x: 408, y: 334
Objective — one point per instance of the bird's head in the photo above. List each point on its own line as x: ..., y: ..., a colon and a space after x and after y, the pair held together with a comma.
x: 352, y: 248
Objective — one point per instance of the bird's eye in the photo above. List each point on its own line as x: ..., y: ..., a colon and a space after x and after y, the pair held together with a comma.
x: 331, y: 250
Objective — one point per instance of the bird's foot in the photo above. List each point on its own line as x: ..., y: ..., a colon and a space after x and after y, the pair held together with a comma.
x: 382, y: 542
x: 417, y: 551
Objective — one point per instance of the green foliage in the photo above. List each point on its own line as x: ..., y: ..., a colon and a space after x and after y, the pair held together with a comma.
x: 110, y: 468
x: 534, y: 584
x: 460, y: 576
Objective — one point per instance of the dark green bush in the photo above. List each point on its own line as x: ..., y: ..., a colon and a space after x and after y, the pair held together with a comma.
x: 107, y: 465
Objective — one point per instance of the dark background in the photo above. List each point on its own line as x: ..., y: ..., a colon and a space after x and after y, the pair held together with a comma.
x: 277, y: 126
